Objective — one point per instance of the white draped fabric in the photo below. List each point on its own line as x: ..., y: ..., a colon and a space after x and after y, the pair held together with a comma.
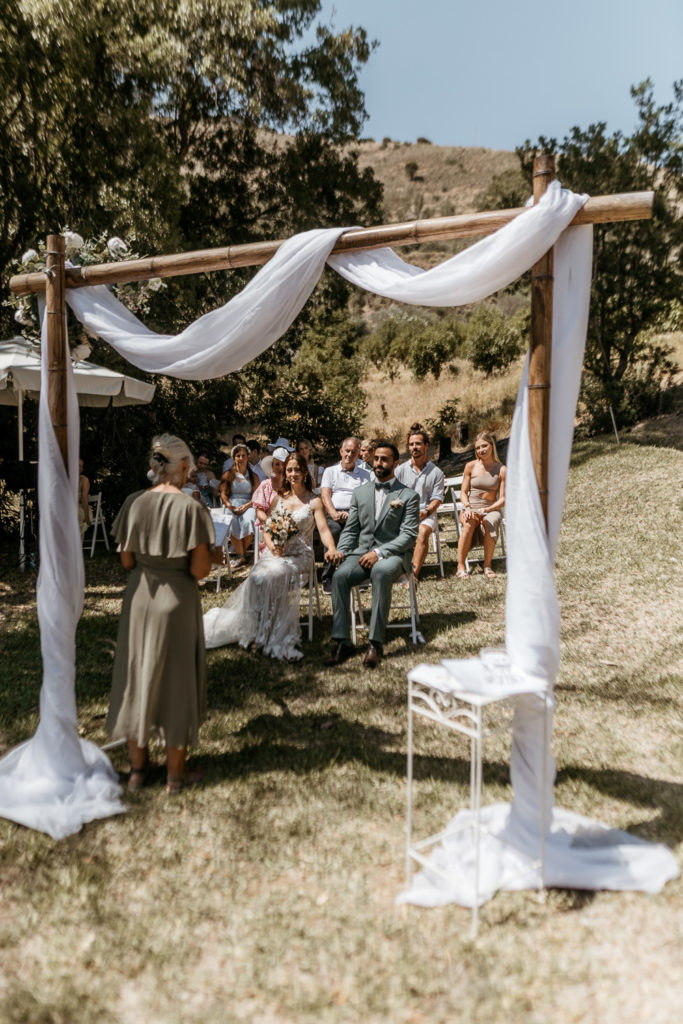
x: 55, y: 782
x: 224, y: 340
x: 581, y: 854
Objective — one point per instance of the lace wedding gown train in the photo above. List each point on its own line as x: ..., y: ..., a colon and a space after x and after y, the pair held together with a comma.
x: 264, y: 610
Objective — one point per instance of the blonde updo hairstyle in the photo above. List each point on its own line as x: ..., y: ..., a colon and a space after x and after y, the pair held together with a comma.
x: 166, y: 460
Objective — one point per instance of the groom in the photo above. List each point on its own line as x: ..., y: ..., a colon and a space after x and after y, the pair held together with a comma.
x: 376, y: 544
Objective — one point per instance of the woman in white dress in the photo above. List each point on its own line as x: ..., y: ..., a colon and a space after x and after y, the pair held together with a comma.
x: 263, y: 613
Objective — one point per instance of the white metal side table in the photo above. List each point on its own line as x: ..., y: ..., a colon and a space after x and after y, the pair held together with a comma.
x: 434, y: 694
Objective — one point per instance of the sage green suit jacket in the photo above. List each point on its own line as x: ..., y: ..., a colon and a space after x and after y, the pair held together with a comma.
x: 394, y: 532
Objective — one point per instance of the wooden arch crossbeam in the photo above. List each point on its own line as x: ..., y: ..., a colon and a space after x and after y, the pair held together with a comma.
x: 626, y: 206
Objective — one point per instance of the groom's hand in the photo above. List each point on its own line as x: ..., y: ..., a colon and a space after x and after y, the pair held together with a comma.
x: 368, y: 559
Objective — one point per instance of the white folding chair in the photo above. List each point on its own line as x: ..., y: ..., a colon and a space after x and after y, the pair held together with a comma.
x: 313, y: 587
x: 358, y: 612
x: 435, y: 544
x: 96, y: 524
x: 221, y: 524
x: 257, y: 540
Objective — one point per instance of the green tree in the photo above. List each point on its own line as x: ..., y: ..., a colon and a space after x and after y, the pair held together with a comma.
x: 637, y: 267
x: 421, y: 342
x: 495, y: 340
x: 313, y: 390
x: 181, y: 124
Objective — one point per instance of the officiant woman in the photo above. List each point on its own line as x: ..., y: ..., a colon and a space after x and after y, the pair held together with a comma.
x: 159, y: 681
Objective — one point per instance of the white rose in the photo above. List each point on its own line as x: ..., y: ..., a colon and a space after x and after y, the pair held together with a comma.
x: 29, y: 255
x: 117, y: 246
x: 23, y: 316
x: 73, y: 241
x: 80, y: 352
x: 154, y: 284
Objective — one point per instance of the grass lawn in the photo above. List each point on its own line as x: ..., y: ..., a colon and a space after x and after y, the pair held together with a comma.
x: 267, y: 893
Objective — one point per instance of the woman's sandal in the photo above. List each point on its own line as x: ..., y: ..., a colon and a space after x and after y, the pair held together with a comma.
x: 489, y: 573
x: 462, y: 575
x: 137, y: 778
x: 176, y: 783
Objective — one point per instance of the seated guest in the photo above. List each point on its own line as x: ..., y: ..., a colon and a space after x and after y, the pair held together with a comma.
x: 255, y: 459
x: 206, y: 480
x: 305, y: 448
x: 236, y: 439
x: 483, y: 496
x: 274, y: 467
x: 376, y: 545
x: 422, y: 476
x: 338, y: 484
x: 367, y: 453
x: 237, y: 487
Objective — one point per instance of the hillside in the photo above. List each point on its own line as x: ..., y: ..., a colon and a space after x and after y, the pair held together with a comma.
x: 447, y: 180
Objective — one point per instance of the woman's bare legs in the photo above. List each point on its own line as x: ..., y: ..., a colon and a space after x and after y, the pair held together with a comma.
x: 175, y: 768
x: 421, y: 548
x: 241, y: 546
x: 139, y: 761
x: 489, y: 548
x: 465, y: 543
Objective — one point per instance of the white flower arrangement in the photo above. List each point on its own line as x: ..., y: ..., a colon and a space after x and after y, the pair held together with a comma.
x: 395, y: 503
x: 103, y: 249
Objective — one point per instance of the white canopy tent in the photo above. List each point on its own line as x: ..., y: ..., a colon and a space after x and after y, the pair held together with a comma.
x: 96, y: 387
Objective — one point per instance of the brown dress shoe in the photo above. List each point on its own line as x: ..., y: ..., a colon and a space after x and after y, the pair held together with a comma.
x: 341, y: 652
x: 373, y: 656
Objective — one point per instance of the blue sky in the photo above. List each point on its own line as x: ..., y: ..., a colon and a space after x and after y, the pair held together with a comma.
x: 495, y: 72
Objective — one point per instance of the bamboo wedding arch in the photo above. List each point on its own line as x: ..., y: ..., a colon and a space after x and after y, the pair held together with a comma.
x: 626, y: 206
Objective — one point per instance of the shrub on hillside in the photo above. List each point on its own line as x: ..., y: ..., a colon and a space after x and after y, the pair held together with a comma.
x: 494, y: 340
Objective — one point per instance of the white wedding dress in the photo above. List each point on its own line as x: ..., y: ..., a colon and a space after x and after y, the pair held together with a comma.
x: 264, y: 610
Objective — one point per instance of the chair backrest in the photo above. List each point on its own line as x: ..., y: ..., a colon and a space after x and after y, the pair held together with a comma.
x: 454, y: 485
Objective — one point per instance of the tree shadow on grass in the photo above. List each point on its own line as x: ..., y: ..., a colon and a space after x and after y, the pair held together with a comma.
x: 639, y: 791
x: 309, y: 742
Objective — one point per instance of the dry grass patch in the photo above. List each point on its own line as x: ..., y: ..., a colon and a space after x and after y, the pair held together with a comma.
x: 484, y: 403
x: 267, y: 894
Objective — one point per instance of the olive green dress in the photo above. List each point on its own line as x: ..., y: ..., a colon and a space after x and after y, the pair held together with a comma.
x: 159, y: 678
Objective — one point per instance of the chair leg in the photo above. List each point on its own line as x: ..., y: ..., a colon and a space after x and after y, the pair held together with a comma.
x: 352, y: 599
x: 413, y: 609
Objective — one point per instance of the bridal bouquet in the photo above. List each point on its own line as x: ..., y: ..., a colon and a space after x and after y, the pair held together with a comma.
x: 281, y: 526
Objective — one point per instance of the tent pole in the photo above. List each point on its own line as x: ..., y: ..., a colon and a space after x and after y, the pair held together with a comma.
x: 55, y: 310
x: 20, y: 426
x: 541, y: 343
x: 22, y: 503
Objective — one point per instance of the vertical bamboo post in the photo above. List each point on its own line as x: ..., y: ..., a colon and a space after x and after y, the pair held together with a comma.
x: 55, y: 311
x: 541, y: 344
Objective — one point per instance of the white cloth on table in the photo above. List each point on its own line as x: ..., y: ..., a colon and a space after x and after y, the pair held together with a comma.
x: 343, y: 482
x: 264, y: 610
x: 222, y: 520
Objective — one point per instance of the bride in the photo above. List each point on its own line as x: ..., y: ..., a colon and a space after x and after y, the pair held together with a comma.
x: 263, y: 613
